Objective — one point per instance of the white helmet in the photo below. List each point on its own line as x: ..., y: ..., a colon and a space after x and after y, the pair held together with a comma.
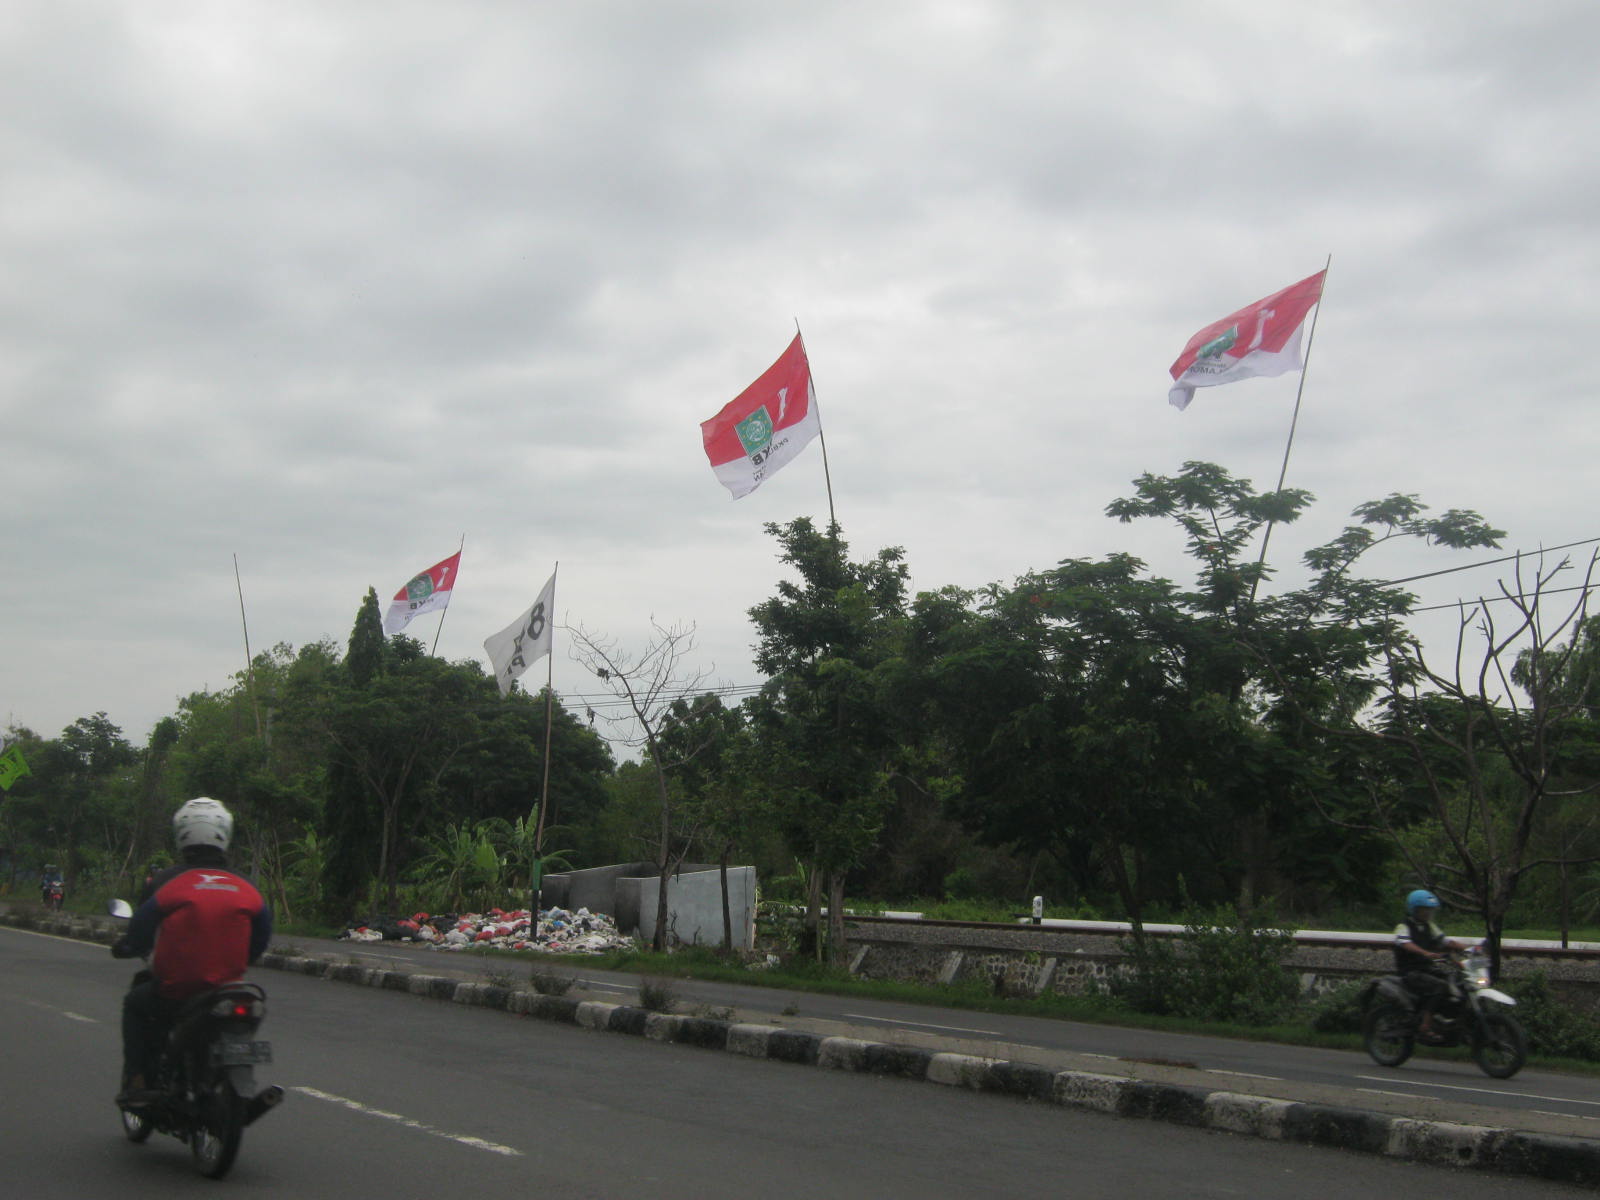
x: 202, y: 822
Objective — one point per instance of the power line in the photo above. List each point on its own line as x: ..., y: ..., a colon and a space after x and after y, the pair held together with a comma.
x: 603, y: 700
x: 1488, y: 562
x: 1582, y: 587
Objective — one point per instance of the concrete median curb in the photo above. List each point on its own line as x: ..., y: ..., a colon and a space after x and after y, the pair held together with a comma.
x: 1440, y: 1143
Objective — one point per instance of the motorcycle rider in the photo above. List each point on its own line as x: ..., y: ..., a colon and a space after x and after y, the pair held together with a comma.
x: 203, y: 922
x: 1419, y: 945
x: 48, y: 878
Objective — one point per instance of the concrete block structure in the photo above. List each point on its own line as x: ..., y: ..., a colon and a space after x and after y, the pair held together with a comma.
x: 628, y: 894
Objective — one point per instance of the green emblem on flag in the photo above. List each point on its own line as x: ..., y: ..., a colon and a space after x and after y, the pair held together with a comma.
x: 755, y: 431
x: 12, y: 767
x: 1223, y: 341
x: 420, y: 588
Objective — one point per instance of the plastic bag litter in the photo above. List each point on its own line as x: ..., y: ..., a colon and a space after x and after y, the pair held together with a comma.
x: 557, y: 931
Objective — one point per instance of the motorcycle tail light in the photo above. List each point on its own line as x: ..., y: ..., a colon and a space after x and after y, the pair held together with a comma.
x: 236, y: 1008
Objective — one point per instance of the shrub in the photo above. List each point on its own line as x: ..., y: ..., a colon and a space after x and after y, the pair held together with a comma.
x: 547, y: 983
x: 1553, y: 1028
x: 1235, y: 971
x: 1152, y: 977
x: 1221, y: 968
x: 1337, y: 1010
x: 964, y: 884
x: 657, y: 995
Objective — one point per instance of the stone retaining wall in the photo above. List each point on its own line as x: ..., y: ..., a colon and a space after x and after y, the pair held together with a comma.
x: 1032, y: 961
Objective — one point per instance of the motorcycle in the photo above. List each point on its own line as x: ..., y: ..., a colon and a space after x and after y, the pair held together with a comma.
x: 1473, y: 1013
x: 53, y: 894
x: 206, y: 1074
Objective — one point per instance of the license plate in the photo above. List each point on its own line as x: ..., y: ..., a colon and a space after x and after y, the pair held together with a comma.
x: 240, y: 1054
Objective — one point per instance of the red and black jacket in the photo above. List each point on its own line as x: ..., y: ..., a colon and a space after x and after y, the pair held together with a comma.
x: 205, y: 924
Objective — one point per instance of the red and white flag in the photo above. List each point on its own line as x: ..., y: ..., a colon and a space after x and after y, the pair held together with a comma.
x: 764, y: 426
x: 424, y: 593
x: 1260, y: 339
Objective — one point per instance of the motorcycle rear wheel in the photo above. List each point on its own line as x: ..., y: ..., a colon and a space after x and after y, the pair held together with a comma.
x: 1386, y: 1032
x: 214, y: 1142
x: 1500, y: 1047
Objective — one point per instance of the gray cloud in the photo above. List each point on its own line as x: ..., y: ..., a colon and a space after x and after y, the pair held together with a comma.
x: 329, y: 287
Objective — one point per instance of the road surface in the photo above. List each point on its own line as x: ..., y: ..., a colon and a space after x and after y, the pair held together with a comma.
x: 397, y: 1097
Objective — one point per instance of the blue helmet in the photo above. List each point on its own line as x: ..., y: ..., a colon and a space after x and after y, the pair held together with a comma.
x: 1421, y: 898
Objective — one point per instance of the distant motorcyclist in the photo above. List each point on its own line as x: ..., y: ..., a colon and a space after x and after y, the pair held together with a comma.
x: 50, y: 880
x: 204, y: 924
x: 1420, y: 946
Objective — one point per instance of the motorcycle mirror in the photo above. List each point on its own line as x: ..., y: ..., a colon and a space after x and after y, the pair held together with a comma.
x: 120, y: 908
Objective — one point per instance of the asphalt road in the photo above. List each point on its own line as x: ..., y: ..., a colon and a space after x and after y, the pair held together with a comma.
x: 1429, y: 1075
x: 397, y: 1097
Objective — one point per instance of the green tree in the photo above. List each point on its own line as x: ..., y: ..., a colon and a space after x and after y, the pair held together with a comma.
x: 81, y: 797
x: 249, y: 747
x: 822, y: 719
x: 396, y: 737
x: 1076, y: 705
x: 155, y: 792
x: 501, y: 771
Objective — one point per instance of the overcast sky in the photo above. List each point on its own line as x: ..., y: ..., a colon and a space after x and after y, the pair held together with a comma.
x: 329, y: 286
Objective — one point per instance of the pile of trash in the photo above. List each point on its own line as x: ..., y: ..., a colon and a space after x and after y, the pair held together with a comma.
x: 558, y: 931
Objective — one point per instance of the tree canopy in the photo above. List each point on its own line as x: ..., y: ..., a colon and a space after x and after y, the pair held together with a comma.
x: 1126, y: 741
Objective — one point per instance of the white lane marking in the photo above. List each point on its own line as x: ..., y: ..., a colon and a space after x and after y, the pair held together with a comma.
x: 1482, y: 1090
x: 1243, y: 1075
x: 407, y: 1122
x: 50, y: 1008
x: 1381, y: 1092
x: 922, y: 1025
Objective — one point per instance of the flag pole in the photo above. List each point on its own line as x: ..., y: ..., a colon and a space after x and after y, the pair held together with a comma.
x: 249, y: 664
x: 438, y: 629
x: 827, y: 477
x: 1283, y: 470
x: 544, y: 797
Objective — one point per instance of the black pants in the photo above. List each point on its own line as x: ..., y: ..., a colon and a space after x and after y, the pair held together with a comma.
x: 1428, y: 987
x: 146, y: 1018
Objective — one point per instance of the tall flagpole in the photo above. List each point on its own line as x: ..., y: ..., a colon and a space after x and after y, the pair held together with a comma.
x: 1283, y: 471
x: 544, y: 798
x: 440, y: 627
x: 249, y: 663
x: 827, y: 478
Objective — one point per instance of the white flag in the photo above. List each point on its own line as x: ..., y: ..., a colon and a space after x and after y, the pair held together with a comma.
x: 524, y: 641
